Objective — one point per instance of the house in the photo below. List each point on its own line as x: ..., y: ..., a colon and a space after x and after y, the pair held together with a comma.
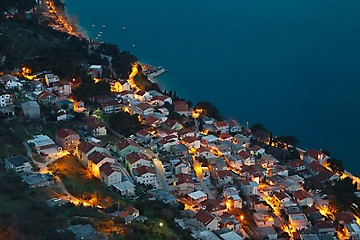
x: 184, y: 183
x: 322, y: 173
x: 225, y: 137
x: 215, y: 206
x: 145, y: 175
x: 31, y: 109
x: 263, y: 219
x: 231, y: 194
x: 135, y: 160
x: 17, y: 164
x: 43, y: 144
x: 96, y: 160
x: 125, y: 188
x: 234, y: 161
x: 179, y: 150
x: 191, y: 142
x: 62, y: 88
x: 51, y: 79
x: 296, y: 165
x: 229, y: 221
x: 11, y: 82
x: 6, y: 99
x: 160, y: 100
x: 126, y: 95
x: 36, y: 86
x: 129, y: 214
x: 181, y: 166
x: 95, y: 127
x: 111, y: 106
x: 144, y: 109
x: 197, y: 196
x: 84, y: 149
x: 221, y: 126
x: 256, y: 150
x: 117, y: 86
x: 303, y: 198
x: 172, y: 124
x: 95, y: 71
x: 110, y: 173
x: 325, y: 228
x: 181, y: 108
x: 315, y: 155
x: 143, y: 135
x: 142, y: 96
x: 247, y: 158
x: 210, y: 222
x: 45, y: 97
x: 266, y: 233
x: 234, y: 126
x: 249, y: 188
x: 224, y: 177
x: 67, y: 139
x: 344, y: 218
x: 125, y: 147
x: 282, y: 199
x: 216, y: 164
x: 298, y: 220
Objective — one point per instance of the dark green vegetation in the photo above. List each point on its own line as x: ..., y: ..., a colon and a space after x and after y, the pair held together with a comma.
x: 124, y: 123
x: 20, y: 4
x: 12, y: 136
x: 209, y: 110
x: 24, y: 213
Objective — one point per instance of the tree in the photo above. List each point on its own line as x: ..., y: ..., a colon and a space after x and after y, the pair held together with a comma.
x: 209, y: 110
x: 336, y: 165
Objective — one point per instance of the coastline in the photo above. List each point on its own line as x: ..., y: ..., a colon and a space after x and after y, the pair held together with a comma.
x: 153, y: 80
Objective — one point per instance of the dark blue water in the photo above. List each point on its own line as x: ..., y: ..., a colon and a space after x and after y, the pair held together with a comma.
x: 292, y: 65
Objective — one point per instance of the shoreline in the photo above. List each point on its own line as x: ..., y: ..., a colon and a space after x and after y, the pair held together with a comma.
x: 82, y: 31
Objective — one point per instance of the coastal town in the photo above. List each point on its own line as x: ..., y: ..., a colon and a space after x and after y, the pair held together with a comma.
x: 176, y: 166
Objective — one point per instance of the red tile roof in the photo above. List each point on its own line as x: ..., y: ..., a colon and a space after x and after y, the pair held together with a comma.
x: 85, y: 147
x: 109, y: 168
x: 224, y: 173
x: 219, y: 124
x: 134, y: 157
x: 180, y: 106
x: 143, y: 132
x: 65, y: 132
x: 244, y: 155
x: 204, y: 217
x: 346, y: 217
x: 144, y: 170
x: 296, y: 163
x: 183, y: 178
x: 280, y: 195
x: 144, y: 106
x: 189, y: 139
x: 96, y: 157
x: 301, y: 195
x: 124, y: 143
x: 224, y: 136
x: 131, y: 209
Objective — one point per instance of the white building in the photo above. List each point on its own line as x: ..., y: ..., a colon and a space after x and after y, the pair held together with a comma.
x: 145, y: 175
x: 5, y: 99
x: 17, y: 164
x: 197, y: 196
x: 125, y: 188
x: 298, y: 221
x: 110, y: 173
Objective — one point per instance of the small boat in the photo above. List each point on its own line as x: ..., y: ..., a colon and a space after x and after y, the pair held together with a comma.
x: 93, y: 25
x: 100, y: 32
x: 134, y: 46
x: 99, y: 35
x: 96, y: 38
x: 124, y: 28
x: 104, y: 26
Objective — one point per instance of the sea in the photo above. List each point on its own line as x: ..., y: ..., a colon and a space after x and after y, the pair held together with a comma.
x: 293, y: 66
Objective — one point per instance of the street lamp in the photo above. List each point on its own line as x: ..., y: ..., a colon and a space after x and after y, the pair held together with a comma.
x: 161, y: 224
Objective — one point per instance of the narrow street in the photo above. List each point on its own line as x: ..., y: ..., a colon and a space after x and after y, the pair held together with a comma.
x: 160, y: 174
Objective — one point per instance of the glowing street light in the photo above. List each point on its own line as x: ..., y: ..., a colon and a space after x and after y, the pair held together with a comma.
x: 161, y: 224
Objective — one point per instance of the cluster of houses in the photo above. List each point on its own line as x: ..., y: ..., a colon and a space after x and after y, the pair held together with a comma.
x: 214, y: 170
x: 47, y: 89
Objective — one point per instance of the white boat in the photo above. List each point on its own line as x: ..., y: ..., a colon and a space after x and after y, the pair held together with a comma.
x: 133, y: 45
x: 124, y: 28
x: 93, y: 25
x: 104, y: 26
